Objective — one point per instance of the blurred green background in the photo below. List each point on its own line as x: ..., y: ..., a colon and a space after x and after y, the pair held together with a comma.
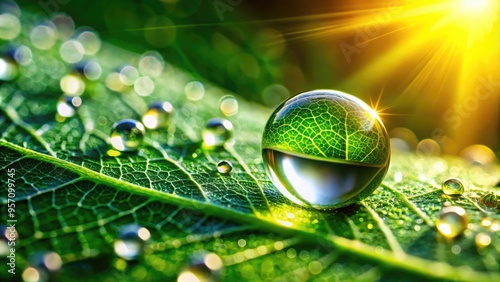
x: 267, y: 51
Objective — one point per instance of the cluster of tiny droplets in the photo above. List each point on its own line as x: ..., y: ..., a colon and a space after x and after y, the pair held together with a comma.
x: 77, y: 49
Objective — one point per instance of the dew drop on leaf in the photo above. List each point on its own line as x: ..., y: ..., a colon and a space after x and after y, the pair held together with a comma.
x: 202, y: 267
x: 158, y: 115
x: 224, y: 167
x: 131, y: 241
x: 127, y: 135
x: 325, y: 149
x: 489, y: 199
x: 67, y: 105
x: 217, y: 132
x: 453, y: 186
x: 452, y: 221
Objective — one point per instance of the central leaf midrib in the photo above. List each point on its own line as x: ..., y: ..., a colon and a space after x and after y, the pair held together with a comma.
x: 402, y: 261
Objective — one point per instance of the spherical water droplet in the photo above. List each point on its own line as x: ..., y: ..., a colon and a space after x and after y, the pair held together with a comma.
x: 127, y: 135
x: 217, y: 132
x: 453, y: 186
x: 131, y: 241
x: 194, y: 90
x: 67, y: 105
x: 452, y: 222
x: 203, y: 267
x: 224, y: 167
x: 325, y: 149
x: 482, y: 240
x: 10, y: 26
x: 43, y: 266
x: 489, y: 199
x: 158, y: 115
x: 228, y: 105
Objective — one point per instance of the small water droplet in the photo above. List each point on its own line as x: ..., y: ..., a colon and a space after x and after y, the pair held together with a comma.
x: 131, y: 241
x: 203, y: 267
x: 453, y: 186
x: 489, y: 199
x: 224, y: 167
x: 228, y: 105
x: 217, y: 132
x: 452, y: 222
x: 158, y: 115
x: 127, y: 135
x: 43, y: 266
x: 67, y: 105
x: 482, y: 240
x: 314, y: 173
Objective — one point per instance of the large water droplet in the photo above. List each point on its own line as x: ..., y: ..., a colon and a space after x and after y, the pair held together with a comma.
x: 452, y: 222
x: 67, y: 105
x: 131, y: 241
x: 453, y: 186
x: 224, y: 167
x: 217, y: 132
x: 325, y: 149
x: 158, y: 115
x: 127, y: 135
x: 203, y: 267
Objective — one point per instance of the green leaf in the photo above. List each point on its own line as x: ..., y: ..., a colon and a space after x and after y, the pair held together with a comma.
x: 72, y: 197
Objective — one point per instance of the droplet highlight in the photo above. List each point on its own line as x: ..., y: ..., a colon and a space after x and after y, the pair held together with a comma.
x: 453, y: 187
x: 217, y: 133
x: 203, y: 267
x: 67, y: 105
x: 131, y: 241
x: 325, y: 149
x: 127, y: 135
x: 452, y: 222
x: 158, y: 115
x: 224, y: 167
